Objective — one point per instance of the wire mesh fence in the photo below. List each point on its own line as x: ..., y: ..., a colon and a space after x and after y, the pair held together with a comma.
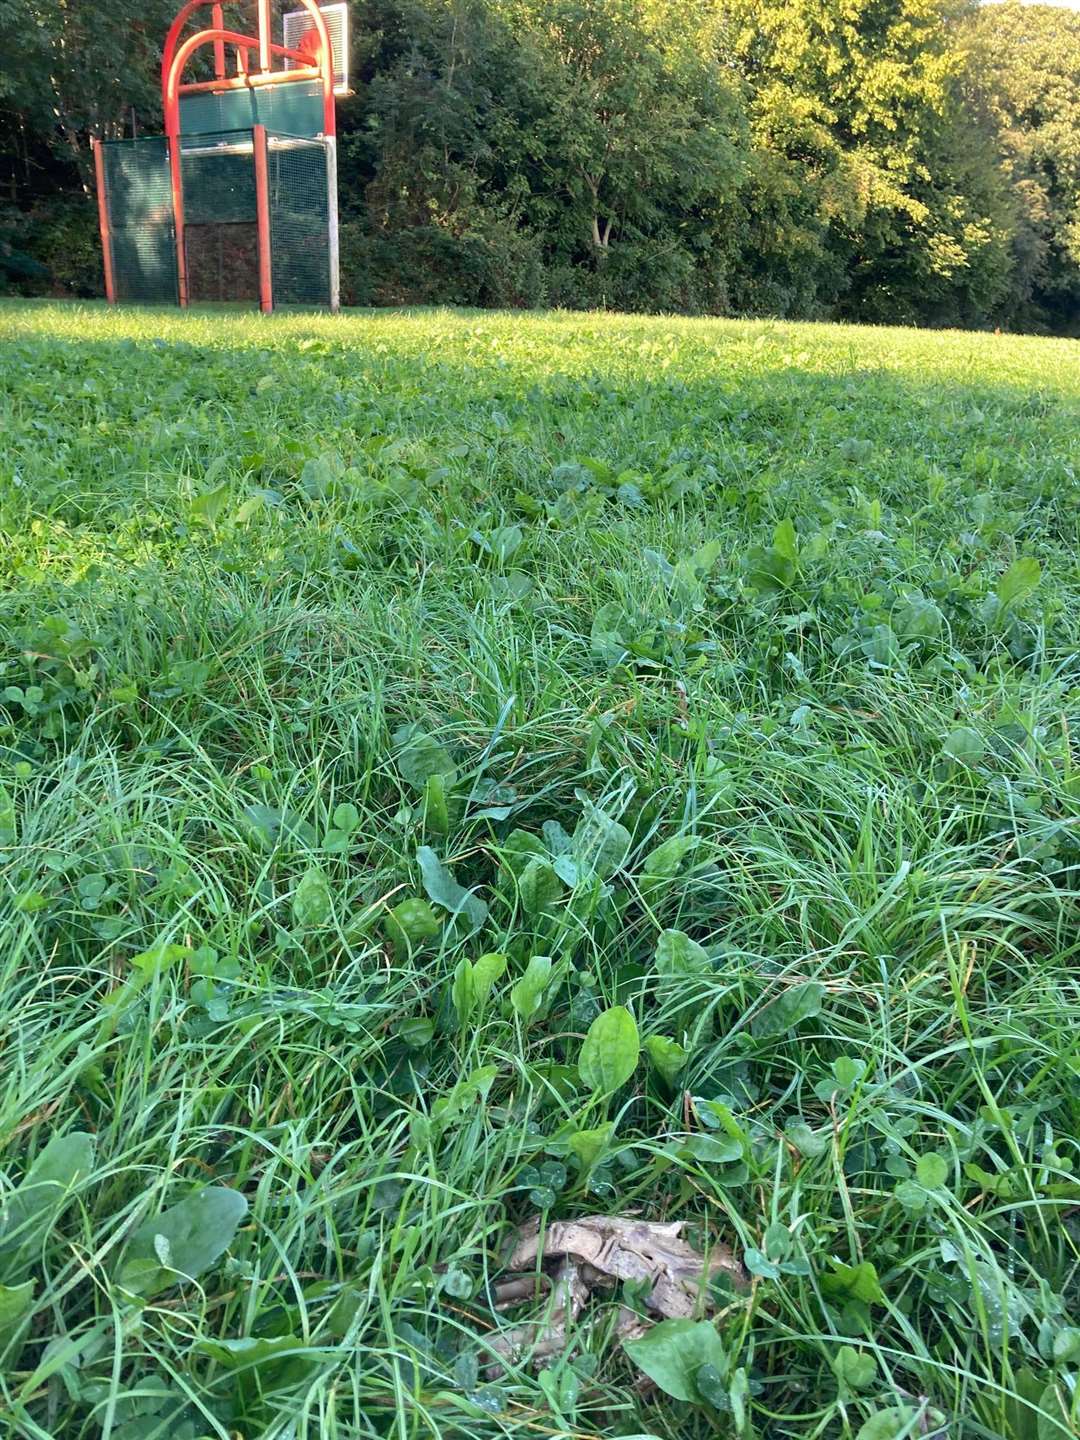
x: 218, y: 176
x: 139, y: 200
x: 221, y: 240
x: 299, y: 221
x: 221, y: 234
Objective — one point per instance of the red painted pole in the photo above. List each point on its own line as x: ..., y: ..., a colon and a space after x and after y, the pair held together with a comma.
x: 244, y: 81
x: 263, y: 8
x: 174, y: 89
x: 103, y: 219
x: 262, y: 215
x: 326, y: 65
x: 176, y: 177
x: 172, y: 39
x: 217, y: 20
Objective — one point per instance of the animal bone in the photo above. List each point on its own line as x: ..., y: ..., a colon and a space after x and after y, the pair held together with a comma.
x: 546, y: 1337
x: 624, y: 1249
x: 596, y: 1253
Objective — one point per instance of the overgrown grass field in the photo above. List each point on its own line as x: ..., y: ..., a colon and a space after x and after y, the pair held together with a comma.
x: 464, y: 767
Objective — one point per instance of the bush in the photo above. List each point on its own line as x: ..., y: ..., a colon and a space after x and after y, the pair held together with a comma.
x: 70, y: 246
x: 53, y: 249
x: 492, y: 265
x: 20, y: 271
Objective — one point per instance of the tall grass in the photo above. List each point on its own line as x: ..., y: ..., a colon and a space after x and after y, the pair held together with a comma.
x: 286, y: 601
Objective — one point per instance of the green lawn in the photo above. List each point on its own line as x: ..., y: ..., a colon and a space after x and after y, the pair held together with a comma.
x: 720, y: 680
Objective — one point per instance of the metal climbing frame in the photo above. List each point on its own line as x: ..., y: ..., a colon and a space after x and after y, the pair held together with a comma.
x: 242, y: 188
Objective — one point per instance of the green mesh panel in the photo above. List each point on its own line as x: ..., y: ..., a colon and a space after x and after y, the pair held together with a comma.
x: 218, y: 189
x: 297, y: 108
x: 139, y: 200
x: 299, y: 220
x: 220, y: 232
x: 221, y: 243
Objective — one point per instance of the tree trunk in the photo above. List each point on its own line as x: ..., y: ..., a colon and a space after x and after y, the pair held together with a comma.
x: 599, y: 237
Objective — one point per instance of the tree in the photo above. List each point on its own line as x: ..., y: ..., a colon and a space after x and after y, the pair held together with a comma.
x: 863, y: 97
x: 78, y: 68
x: 503, y: 137
x: 71, y: 69
x: 1025, y: 68
x: 641, y: 123
x: 891, y: 160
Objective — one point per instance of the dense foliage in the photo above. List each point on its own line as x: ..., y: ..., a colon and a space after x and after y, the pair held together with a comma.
x: 629, y: 767
x: 904, y: 160
x: 1027, y: 59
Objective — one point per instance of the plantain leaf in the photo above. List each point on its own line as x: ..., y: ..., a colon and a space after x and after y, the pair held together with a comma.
x: 662, y: 864
x: 159, y: 958
x: 801, y: 1002
x: 600, y: 843
x: 1020, y: 580
x: 311, y: 903
x: 473, y: 984
x: 182, y: 1243
x: 16, y: 1303
x: 9, y: 825
x: 677, y: 954
x: 411, y: 924
x: 419, y: 756
x: 667, y: 1057
x: 609, y: 1054
x: 485, y: 972
x: 250, y: 1350
x: 674, y: 1352
x: 210, y: 505
x: 539, y: 887
x: 436, y: 810
x: 587, y: 1146
x: 901, y: 1420
x: 527, y: 994
x: 445, y: 891
x: 34, y: 1206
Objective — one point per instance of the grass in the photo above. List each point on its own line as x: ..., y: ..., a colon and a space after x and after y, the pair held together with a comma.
x: 562, y: 632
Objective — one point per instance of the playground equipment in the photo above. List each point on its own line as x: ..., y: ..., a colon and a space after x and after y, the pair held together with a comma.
x: 238, y: 199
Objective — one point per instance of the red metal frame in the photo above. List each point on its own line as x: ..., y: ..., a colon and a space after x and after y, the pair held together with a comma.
x: 175, y: 57
x: 103, y: 219
x: 320, y: 64
x: 217, y: 19
x: 262, y: 215
x: 264, y: 34
x: 244, y: 80
x: 176, y: 180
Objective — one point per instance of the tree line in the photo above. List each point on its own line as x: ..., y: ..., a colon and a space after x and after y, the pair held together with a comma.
x: 901, y: 161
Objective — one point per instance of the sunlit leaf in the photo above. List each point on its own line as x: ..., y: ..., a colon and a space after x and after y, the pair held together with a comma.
x: 1020, y: 580
x: 609, y: 1054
